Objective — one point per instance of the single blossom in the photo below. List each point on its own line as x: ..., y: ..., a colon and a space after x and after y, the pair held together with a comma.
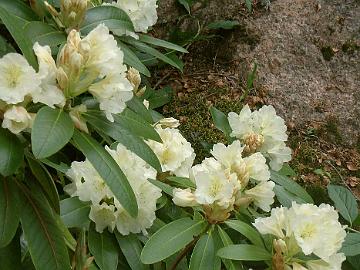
x: 17, y: 119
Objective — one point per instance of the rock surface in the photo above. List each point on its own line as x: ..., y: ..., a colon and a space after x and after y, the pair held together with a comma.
x: 307, y: 51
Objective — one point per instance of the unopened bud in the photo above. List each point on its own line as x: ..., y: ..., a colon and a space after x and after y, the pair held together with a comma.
x: 51, y: 9
x: 134, y: 78
x: 74, y: 38
x: 146, y: 103
x: 75, y: 63
x: 62, y: 78
x: 72, y: 16
x: 169, y: 122
x: 79, y: 122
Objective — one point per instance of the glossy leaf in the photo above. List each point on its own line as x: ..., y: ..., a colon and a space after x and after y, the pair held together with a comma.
x: 123, y: 136
x: 131, y: 59
x: 221, y: 122
x: 11, y: 153
x: 44, y: 33
x: 74, y: 213
x: 137, y: 106
x: 285, y: 197
x: 9, y: 211
x: 351, y: 246
x: 170, y: 239
x: 344, y: 201
x: 246, y: 230
x: 114, y: 18
x: 163, y: 186
x: 51, y: 131
x: 161, y: 43
x: 19, y: 9
x: 226, y: 241
x: 104, y: 248
x: 109, y: 170
x: 203, y: 256
x: 10, y: 255
x: 44, y: 237
x: 291, y: 186
x: 161, y: 97
x: 244, y: 253
x: 46, y: 182
x: 131, y: 248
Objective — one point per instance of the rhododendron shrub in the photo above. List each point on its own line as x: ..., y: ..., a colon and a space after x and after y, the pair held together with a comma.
x: 92, y: 177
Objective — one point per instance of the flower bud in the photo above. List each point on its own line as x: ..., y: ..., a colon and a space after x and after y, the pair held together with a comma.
x: 79, y: 122
x: 75, y: 64
x: 17, y: 119
x: 51, y: 9
x: 169, y: 122
x: 146, y: 103
x: 184, y: 197
x: 134, y: 78
x: 62, y: 78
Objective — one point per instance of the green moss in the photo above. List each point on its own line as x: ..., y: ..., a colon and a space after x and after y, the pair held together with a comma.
x: 331, y: 129
x: 196, y: 123
x: 350, y: 47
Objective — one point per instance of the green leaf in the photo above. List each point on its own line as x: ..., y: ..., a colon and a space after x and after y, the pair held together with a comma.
x: 285, y: 197
x: 223, y: 25
x: 182, y: 182
x: 161, y: 97
x: 131, y: 248
x: 221, y: 122
x: 291, y: 186
x: 186, y: 4
x: 246, y: 230
x: 44, y: 237
x: 19, y: 9
x: 74, y: 213
x: 344, y: 201
x: 15, y: 25
x: 164, y: 187
x: 287, y: 170
x: 46, y: 182
x: 9, y: 211
x: 44, y: 33
x: 354, y: 261
x: 5, y: 47
x: 248, y: 4
x: 161, y: 43
x: 131, y: 142
x: 203, y: 256
x: 104, y: 248
x: 351, y: 246
x: 226, y: 241
x: 151, y: 51
x: 11, y: 153
x: 137, y: 106
x: 10, y: 256
x: 114, y: 18
x: 244, y: 253
x: 170, y: 239
x: 109, y: 170
x: 51, y: 131
x: 131, y: 59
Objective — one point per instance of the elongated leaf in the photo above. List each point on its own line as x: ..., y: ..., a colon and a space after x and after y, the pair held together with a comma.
x: 51, y: 131
x: 15, y: 25
x: 104, y: 248
x: 131, y: 59
x: 291, y: 186
x: 244, y: 253
x: 11, y: 153
x: 137, y: 106
x: 74, y: 213
x: 182, y: 182
x: 19, y: 9
x: 109, y: 170
x: 226, y: 241
x: 46, y: 182
x: 10, y: 256
x: 151, y: 51
x: 161, y: 43
x: 45, y: 239
x: 170, y: 239
x: 130, y: 141
x: 161, y: 97
x: 351, y: 246
x: 44, y: 33
x: 131, y: 248
x: 186, y: 4
x: 163, y: 186
x: 285, y: 197
x: 221, y: 122
x: 344, y: 201
x: 246, y: 230
x: 9, y: 211
x: 203, y: 256
x: 5, y: 47
x: 114, y: 18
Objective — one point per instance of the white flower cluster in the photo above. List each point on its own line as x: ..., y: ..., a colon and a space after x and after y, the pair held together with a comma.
x: 307, y: 229
x: 228, y: 180
x: 175, y: 153
x: 94, y: 64
x: 262, y: 131
x: 106, y: 211
x: 141, y: 12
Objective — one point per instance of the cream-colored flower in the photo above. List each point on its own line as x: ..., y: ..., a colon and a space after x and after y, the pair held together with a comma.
x: 174, y: 153
x: 262, y: 194
x: 316, y: 229
x: 184, y: 197
x: 48, y: 93
x: 112, y: 92
x: 262, y: 131
x: 334, y: 263
x: 169, y: 122
x: 106, y: 209
x: 17, y: 119
x: 275, y: 224
x: 141, y: 12
x: 297, y: 266
x: 17, y: 78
